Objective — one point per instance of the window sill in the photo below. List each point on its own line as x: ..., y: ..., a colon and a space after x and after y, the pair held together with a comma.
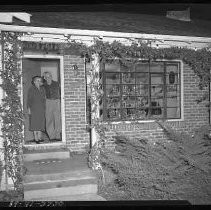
x: 141, y: 121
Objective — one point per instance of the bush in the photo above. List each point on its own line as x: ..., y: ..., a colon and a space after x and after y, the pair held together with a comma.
x: 173, y: 169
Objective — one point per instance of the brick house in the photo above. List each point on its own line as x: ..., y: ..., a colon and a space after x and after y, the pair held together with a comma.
x: 181, y: 110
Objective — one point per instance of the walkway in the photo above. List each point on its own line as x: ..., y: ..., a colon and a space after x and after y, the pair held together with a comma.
x: 56, y: 175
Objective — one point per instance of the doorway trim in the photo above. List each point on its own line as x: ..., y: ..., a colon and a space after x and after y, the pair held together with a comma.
x: 61, y: 65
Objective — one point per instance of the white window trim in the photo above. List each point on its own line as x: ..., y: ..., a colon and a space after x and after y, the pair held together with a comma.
x: 62, y: 95
x: 182, y: 99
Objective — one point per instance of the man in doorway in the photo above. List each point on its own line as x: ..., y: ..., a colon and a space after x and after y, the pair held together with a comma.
x: 53, y: 108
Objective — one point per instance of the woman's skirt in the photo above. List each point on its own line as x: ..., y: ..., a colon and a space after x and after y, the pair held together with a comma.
x: 37, y: 119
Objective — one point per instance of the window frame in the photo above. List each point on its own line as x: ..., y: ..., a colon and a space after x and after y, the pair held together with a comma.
x: 180, y: 85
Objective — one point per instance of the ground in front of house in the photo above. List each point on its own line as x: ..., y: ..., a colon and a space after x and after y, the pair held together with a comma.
x: 9, y: 196
x: 111, y: 191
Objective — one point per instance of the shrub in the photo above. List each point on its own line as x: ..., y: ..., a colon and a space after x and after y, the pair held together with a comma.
x: 173, y: 169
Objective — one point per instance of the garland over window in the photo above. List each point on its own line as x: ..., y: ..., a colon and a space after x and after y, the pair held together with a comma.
x: 199, y: 60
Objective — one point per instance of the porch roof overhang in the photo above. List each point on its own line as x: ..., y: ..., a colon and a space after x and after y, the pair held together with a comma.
x: 101, y: 34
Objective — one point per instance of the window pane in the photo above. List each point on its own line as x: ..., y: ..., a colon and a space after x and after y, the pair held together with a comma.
x: 156, y: 79
x: 129, y: 114
x: 157, y: 90
x: 157, y: 102
x: 142, y: 90
x: 142, y: 78
x: 157, y: 112
x: 112, y: 78
x: 173, y: 96
x: 157, y: 67
x: 172, y: 73
x: 113, y: 114
x: 142, y: 114
x: 113, y: 102
x: 173, y: 101
x: 129, y: 102
x: 128, y: 90
x: 157, y: 107
x: 173, y: 90
x: 172, y: 67
x: 173, y: 112
x: 112, y: 90
x: 126, y: 68
x: 142, y: 67
x: 128, y: 78
x: 141, y: 102
x: 112, y: 67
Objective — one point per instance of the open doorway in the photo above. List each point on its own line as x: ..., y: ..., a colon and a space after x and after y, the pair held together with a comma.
x: 36, y: 67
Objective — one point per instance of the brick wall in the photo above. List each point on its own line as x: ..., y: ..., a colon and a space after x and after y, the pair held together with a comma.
x: 77, y: 137
x: 195, y: 115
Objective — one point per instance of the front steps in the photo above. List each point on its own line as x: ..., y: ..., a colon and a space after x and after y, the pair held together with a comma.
x: 57, y: 175
x: 52, y: 193
x: 80, y: 197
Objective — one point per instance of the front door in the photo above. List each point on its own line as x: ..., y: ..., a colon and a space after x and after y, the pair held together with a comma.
x: 36, y: 67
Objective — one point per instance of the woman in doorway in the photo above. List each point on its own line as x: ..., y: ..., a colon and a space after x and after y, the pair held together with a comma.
x: 36, y: 108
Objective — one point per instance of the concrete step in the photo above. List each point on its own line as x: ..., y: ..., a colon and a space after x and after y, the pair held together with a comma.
x: 61, y: 192
x: 57, y: 175
x: 56, y: 166
x: 44, y: 150
x: 44, y: 147
x: 81, y: 197
x: 72, y: 181
x: 57, y: 153
x: 47, y: 155
x: 74, y: 175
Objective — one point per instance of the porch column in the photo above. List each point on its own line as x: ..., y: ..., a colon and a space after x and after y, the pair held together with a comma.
x: 1, y: 96
x: 94, y: 82
x: 3, y: 184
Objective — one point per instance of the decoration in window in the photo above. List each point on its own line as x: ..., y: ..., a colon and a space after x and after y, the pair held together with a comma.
x: 171, y: 77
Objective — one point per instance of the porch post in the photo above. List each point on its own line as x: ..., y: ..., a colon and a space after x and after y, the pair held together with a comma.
x: 1, y: 91
x: 3, y: 178
x: 94, y: 82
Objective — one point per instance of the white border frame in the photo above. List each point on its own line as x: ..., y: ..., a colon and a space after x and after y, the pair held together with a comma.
x: 61, y: 59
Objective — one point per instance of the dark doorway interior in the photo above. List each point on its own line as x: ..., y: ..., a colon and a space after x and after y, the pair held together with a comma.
x: 36, y: 67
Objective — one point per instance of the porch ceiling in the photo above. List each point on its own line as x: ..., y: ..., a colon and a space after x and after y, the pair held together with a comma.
x: 119, y: 22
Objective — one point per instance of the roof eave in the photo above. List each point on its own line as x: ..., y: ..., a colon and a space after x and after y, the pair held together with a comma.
x: 96, y: 33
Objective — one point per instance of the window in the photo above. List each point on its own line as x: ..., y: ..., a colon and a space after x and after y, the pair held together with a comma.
x: 147, y: 90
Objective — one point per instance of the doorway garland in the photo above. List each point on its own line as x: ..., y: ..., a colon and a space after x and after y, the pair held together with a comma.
x: 11, y: 111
